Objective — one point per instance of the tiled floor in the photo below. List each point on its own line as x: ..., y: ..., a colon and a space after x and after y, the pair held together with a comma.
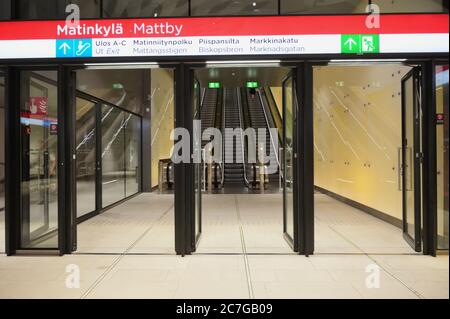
x: 242, y: 254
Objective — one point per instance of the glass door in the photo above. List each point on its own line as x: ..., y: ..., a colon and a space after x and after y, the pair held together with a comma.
x: 411, y: 158
x: 198, y: 163
x: 442, y: 154
x: 38, y: 158
x: 289, y: 159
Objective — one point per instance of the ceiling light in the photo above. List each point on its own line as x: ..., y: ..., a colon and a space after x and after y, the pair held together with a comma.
x: 130, y: 65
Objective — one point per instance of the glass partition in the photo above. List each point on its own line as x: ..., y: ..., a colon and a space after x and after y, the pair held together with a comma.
x: 54, y: 9
x: 323, y: 6
x: 289, y: 116
x: 145, y: 8
x: 86, y: 156
x: 132, y: 154
x: 120, y: 87
x: 113, y: 155
x: 410, y: 6
x: 39, y: 151
x: 227, y: 8
x: 2, y: 160
x: 442, y: 114
x: 5, y: 9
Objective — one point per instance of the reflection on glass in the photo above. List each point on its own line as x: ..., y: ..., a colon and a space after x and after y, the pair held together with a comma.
x: 113, y: 155
x: 54, y: 9
x: 2, y: 143
x: 442, y: 154
x: 162, y: 120
x: 197, y: 166
x: 288, y: 163
x: 132, y: 153
x: 408, y: 156
x: 121, y: 87
x: 86, y: 156
x: 5, y: 9
x: 324, y: 6
x: 39, y: 179
x: 226, y: 7
x: 144, y: 8
x: 405, y: 6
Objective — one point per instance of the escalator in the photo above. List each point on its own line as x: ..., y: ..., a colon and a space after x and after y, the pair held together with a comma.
x: 260, y: 116
x: 234, y: 174
x: 210, y: 116
x: 208, y: 110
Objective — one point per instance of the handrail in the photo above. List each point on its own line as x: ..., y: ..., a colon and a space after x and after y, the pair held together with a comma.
x: 275, y: 112
x: 242, y: 135
x: 202, y: 100
x: 222, y: 180
x: 270, y: 132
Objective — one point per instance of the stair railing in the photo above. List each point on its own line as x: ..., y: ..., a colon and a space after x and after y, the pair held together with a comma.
x: 270, y: 132
x: 241, y: 122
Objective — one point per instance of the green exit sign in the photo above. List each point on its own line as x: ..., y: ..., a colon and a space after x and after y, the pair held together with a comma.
x: 252, y: 85
x: 214, y: 85
x: 360, y: 43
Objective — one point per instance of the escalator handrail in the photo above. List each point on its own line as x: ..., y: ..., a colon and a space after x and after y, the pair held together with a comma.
x: 223, y: 139
x: 202, y: 102
x: 276, y: 116
x: 270, y: 132
x: 241, y: 122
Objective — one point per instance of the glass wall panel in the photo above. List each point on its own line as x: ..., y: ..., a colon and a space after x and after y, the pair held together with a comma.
x: 162, y: 120
x: 409, y: 172
x: 86, y: 156
x: 113, y: 155
x: 323, y: 6
x: 39, y: 150
x: 226, y: 7
x: 405, y: 6
x: 122, y: 87
x: 2, y: 161
x: 442, y: 117
x: 55, y: 9
x: 288, y: 149
x: 5, y: 9
x: 145, y: 8
x: 132, y: 153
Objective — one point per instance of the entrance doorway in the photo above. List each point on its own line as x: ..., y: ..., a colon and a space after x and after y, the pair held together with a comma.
x: 246, y: 139
x: 368, y: 120
x: 124, y: 116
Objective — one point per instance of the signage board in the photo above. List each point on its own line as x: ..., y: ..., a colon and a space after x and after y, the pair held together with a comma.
x: 224, y: 36
x: 214, y: 85
x: 38, y: 106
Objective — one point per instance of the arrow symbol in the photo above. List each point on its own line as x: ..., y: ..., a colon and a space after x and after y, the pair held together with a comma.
x: 64, y: 47
x: 350, y: 43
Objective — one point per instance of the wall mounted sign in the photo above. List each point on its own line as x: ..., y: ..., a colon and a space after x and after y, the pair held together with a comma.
x: 38, y: 106
x: 440, y: 118
x: 53, y: 129
x: 224, y: 36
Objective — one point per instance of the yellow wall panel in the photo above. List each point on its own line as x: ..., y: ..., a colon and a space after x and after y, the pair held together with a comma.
x: 357, y: 133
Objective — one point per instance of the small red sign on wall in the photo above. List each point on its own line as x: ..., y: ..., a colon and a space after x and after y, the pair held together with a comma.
x: 440, y: 117
x: 53, y: 129
x: 38, y: 106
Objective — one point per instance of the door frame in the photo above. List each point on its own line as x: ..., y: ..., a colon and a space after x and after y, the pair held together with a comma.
x: 13, y: 160
x: 303, y: 242
x: 182, y: 202
x: 415, y: 74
